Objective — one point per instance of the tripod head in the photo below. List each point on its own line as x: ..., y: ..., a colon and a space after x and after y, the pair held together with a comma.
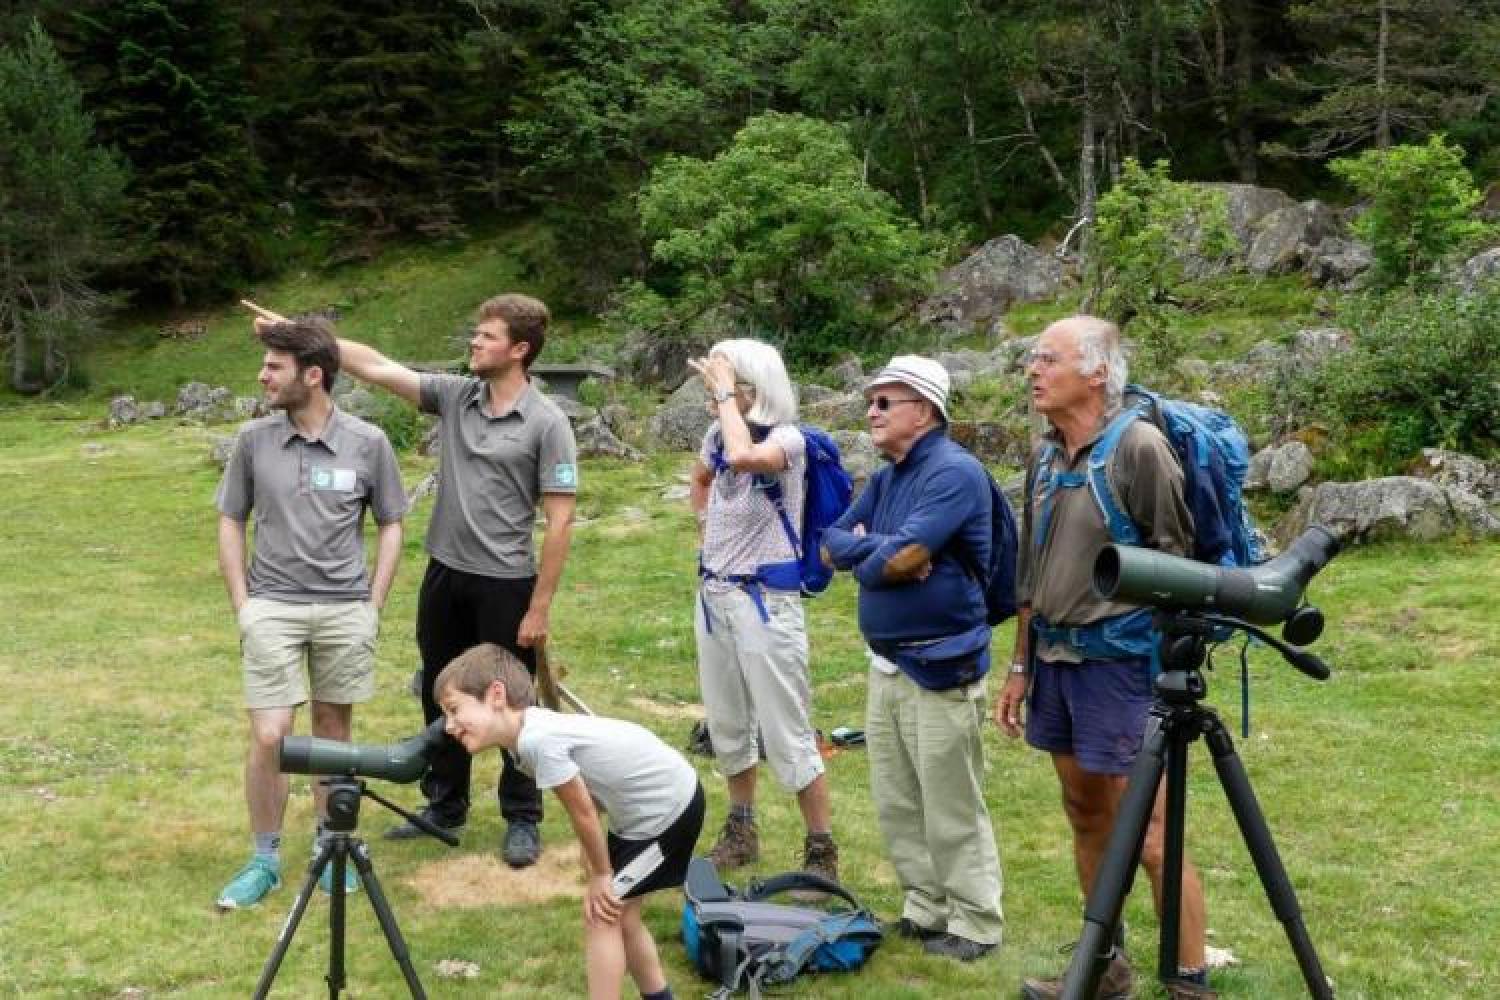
x: 344, y: 796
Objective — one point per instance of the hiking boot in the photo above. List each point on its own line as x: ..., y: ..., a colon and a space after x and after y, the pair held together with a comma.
x: 1115, y: 984
x: 351, y: 879
x: 1186, y: 989
x: 250, y: 886
x: 407, y: 830
x: 959, y: 948
x: 820, y: 856
x: 523, y: 844
x: 739, y: 844
x: 913, y: 931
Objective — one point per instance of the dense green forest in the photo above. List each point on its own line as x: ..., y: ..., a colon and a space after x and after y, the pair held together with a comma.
x: 163, y: 153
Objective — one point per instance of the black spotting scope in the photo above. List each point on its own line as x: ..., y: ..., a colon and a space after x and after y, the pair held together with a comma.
x: 402, y: 762
x: 1264, y: 594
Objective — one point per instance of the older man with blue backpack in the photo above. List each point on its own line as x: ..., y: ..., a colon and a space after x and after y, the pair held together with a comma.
x: 1116, y: 465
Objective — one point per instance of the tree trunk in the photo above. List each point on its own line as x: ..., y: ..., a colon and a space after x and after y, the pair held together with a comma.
x: 1244, y: 78
x: 985, y: 208
x: 1052, y: 167
x: 1383, y: 108
x: 914, y: 134
x: 1087, y: 190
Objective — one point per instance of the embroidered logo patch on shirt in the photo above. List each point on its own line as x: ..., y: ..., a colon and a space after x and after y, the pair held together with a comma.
x: 564, y: 474
x: 335, y: 480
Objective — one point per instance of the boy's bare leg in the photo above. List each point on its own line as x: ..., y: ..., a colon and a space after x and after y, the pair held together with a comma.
x: 604, y: 951
x: 640, y: 950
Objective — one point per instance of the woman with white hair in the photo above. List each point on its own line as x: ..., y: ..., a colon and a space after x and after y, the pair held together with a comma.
x: 752, y: 639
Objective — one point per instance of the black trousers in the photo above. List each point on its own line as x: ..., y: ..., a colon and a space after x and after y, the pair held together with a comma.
x: 455, y: 611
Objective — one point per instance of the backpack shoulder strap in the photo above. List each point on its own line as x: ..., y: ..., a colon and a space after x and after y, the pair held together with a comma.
x: 799, y: 880
x: 1121, y: 528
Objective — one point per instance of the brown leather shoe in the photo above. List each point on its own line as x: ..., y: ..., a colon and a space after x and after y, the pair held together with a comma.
x: 1186, y: 989
x: 738, y: 844
x: 1115, y: 984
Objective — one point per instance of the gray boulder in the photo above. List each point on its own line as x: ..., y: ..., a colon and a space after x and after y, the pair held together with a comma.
x: 980, y: 288
x: 683, y: 420
x: 1284, y: 236
x: 153, y: 410
x: 575, y: 411
x: 846, y: 410
x: 813, y: 393
x: 848, y: 374
x: 1338, y: 262
x: 123, y: 411
x: 656, y: 361
x: 1315, y: 345
x: 220, y: 447
x: 249, y: 407
x: 595, y: 439
x: 206, y: 404
x: 1478, y: 271
x: 1464, y: 472
x: 860, y: 458
x: 1393, y: 507
x: 1282, y: 468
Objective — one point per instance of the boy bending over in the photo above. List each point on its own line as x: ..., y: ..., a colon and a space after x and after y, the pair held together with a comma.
x: 650, y: 793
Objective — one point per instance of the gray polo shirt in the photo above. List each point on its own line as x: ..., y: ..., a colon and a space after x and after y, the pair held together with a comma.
x: 309, y: 498
x: 1057, y: 578
x: 492, y: 472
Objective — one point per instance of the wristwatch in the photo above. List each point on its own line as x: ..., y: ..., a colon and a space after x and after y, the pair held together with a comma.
x: 723, y: 395
x: 1018, y: 668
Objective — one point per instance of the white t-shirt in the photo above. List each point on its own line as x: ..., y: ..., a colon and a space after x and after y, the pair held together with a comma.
x: 642, y: 783
x: 743, y: 531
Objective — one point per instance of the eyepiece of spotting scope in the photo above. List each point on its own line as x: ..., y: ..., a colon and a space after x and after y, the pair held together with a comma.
x: 402, y: 762
x: 1264, y: 594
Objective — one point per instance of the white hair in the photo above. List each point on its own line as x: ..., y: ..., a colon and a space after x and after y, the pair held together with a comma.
x: 1099, y: 346
x: 761, y: 366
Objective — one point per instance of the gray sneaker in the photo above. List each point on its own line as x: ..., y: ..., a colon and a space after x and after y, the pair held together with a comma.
x: 738, y: 844
x: 523, y: 844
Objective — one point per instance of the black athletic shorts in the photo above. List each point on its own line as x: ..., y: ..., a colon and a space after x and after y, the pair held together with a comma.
x: 676, y: 845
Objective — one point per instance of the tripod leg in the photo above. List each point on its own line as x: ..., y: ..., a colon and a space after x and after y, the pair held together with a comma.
x: 1101, y: 913
x: 383, y: 913
x: 1172, y: 848
x: 336, y: 909
x: 299, y: 906
x: 1273, y: 876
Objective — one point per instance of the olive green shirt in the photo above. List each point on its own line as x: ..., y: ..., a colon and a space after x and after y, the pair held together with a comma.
x: 1055, y: 577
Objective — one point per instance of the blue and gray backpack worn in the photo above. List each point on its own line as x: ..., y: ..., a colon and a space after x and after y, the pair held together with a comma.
x: 745, y: 942
x: 825, y: 498
x: 1215, y: 456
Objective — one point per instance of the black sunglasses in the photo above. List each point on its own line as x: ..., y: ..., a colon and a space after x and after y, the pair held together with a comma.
x: 884, y: 403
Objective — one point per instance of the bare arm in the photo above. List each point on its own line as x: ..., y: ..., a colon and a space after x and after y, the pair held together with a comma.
x: 387, y: 557
x: 1008, y: 703
x: 363, y: 362
x: 558, y: 508
x: 600, y: 905
x: 232, y: 560
x: 699, y: 482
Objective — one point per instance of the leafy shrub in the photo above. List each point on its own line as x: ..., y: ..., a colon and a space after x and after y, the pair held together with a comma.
x: 1423, y: 372
x: 1422, y: 202
x: 1136, y: 267
x: 777, y: 236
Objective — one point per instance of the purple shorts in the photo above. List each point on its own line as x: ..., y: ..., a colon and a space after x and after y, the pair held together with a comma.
x: 1095, y: 711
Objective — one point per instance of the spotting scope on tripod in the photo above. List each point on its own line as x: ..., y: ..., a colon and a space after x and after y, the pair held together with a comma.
x: 344, y: 764
x: 1197, y: 604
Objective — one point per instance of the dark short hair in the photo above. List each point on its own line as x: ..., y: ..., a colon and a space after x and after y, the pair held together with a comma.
x: 525, y: 319
x: 474, y: 670
x: 310, y: 342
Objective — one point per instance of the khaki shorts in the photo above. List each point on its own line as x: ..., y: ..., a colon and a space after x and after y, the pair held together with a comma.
x: 337, y: 640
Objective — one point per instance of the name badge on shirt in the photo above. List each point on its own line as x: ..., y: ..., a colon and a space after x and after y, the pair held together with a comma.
x: 336, y: 480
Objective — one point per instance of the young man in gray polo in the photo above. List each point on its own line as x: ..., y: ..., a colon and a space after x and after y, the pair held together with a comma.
x: 308, y: 472
x: 505, y: 449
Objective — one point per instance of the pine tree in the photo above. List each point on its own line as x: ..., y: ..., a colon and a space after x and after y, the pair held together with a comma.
x: 163, y: 81
x: 59, y: 192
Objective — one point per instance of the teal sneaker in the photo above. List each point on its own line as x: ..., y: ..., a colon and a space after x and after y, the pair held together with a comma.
x: 250, y: 886
x: 351, y: 879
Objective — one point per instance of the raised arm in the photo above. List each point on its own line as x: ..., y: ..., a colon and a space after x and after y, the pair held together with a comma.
x: 360, y: 360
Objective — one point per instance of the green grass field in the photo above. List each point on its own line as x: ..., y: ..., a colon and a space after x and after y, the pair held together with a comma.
x: 122, y: 733
x: 121, y: 747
